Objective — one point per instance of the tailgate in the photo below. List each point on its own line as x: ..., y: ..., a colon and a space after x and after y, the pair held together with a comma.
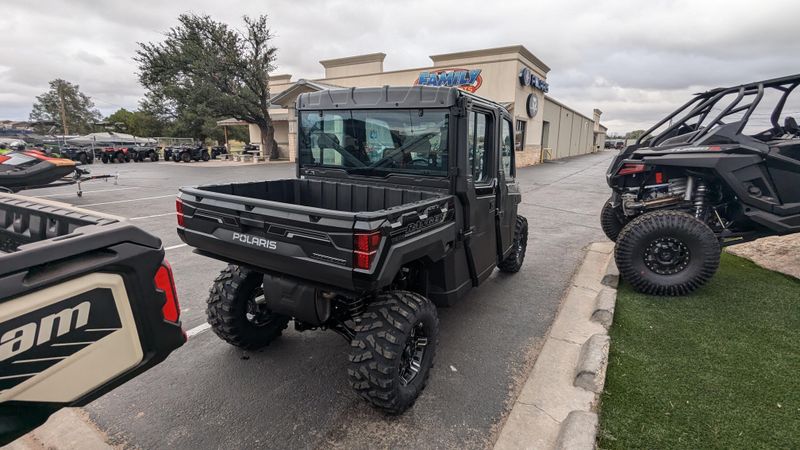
x: 273, y: 236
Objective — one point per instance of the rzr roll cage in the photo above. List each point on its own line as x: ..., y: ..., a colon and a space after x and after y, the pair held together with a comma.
x: 703, y: 104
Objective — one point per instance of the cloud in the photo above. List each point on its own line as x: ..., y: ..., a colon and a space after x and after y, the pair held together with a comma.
x: 634, y: 60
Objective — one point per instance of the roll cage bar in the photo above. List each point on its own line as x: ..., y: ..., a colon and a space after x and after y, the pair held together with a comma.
x: 703, y: 103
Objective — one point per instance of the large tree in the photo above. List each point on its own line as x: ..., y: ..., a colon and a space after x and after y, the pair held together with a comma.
x: 65, y: 105
x: 203, y: 64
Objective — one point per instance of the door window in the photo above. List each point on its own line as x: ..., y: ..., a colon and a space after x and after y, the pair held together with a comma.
x: 507, y: 150
x: 479, y: 145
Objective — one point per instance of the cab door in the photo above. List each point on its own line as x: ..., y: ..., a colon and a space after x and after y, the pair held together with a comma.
x: 508, y: 195
x: 481, y: 167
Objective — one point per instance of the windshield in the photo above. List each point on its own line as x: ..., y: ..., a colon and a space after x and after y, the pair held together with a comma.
x: 375, y: 142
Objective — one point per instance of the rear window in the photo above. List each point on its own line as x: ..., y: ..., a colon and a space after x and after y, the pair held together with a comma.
x: 376, y: 142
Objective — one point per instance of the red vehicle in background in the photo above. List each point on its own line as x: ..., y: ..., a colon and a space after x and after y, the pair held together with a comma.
x: 113, y: 154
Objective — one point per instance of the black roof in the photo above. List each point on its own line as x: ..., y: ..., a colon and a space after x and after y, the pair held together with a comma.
x: 384, y: 98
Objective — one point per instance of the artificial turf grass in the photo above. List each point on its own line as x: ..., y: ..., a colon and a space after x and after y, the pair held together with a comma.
x: 716, y: 369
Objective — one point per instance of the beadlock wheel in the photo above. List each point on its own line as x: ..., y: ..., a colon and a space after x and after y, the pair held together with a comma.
x: 667, y: 253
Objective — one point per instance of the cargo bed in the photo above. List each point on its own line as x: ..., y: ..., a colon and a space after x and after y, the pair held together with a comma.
x: 307, y: 226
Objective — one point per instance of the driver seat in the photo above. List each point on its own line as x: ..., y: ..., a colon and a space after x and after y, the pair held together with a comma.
x: 790, y: 126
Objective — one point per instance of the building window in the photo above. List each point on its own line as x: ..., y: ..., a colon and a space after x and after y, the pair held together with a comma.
x: 519, y: 137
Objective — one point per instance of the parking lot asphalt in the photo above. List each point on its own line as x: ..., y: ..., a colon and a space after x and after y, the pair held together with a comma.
x: 294, y: 393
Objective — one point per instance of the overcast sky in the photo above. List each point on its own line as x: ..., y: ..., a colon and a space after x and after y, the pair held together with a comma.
x: 634, y: 60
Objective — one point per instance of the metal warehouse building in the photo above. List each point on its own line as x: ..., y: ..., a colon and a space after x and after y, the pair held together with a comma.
x: 512, y: 76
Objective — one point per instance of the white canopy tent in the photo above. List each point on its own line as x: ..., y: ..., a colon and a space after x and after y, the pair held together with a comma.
x: 110, y: 138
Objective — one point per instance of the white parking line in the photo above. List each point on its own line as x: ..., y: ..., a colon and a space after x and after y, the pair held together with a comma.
x: 126, y: 201
x: 154, y: 215
x: 175, y: 246
x: 198, y: 329
x: 88, y: 192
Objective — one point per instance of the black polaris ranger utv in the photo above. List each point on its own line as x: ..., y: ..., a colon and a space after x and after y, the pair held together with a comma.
x: 404, y: 199
x: 722, y: 169
x: 87, y: 302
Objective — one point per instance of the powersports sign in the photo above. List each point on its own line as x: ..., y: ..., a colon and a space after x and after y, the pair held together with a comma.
x: 469, y: 80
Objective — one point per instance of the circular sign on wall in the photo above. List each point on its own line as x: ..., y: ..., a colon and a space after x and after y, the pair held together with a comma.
x: 532, y: 105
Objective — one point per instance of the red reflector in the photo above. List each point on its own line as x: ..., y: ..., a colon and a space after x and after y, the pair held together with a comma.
x: 365, y: 246
x: 628, y: 169
x: 659, y: 177
x: 179, y: 209
x: 171, y: 310
x: 362, y: 260
x: 715, y: 148
x: 367, y: 242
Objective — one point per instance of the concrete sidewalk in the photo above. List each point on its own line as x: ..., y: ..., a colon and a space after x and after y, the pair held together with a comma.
x: 68, y: 429
x: 556, y: 408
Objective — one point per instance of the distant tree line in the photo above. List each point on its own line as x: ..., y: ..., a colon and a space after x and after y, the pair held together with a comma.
x: 66, y: 110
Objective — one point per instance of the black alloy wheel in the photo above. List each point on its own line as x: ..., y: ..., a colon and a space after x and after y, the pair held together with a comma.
x: 667, y: 253
x: 393, y: 350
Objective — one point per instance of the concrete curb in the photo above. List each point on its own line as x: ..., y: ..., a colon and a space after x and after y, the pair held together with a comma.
x: 67, y: 429
x: 556, y: 407
x: 578, y: 431
x: 590, y: 373
x: 604, y: 307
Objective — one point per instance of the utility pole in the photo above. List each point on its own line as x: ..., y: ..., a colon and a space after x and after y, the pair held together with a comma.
x: 61, y: 107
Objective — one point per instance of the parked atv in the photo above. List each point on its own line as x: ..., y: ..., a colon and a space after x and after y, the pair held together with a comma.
x: 84, y: 155
x: 190, y: 153
x: 218, y: 150
x: 699, y: 180
x: 113, y: 154
x: 141, y: 152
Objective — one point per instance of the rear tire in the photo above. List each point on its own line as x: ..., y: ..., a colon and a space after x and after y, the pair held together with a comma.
x: 393, y: 350
x: 186, y: 157
x: 153, y: 156
x: 205, y: 156
x: 514, y: 260
x: 610, y: 221
x: 83, y: 159
x: 235, y: 314
x: 104, y: 159
x: 667, y: 253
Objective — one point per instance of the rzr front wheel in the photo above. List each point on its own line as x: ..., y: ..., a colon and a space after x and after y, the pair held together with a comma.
x: 667, y: 253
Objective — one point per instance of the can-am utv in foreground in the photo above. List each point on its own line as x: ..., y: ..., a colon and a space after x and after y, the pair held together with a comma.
x: 722, y: 169
x: 405, y: 199
x: 87, y: 302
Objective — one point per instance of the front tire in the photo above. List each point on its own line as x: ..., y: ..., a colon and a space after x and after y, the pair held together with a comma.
x: 610, y: 221
x: 205, y: 156
x: 186, y: 157
x: 393, y: 350
x: 236, y: 313
x: 514, y: 260
x: 667, y: 253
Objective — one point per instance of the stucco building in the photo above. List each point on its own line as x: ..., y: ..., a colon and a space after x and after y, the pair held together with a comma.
x: 511, y: 76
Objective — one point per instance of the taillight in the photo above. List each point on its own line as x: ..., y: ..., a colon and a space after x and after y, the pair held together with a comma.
x: 659, y: 177
x: 171, y: 310
x: 631, y: 168
x: 365, y: 246
x: 179, y: 209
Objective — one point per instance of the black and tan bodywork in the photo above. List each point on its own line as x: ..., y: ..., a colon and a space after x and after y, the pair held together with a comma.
x: 87, y: 302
